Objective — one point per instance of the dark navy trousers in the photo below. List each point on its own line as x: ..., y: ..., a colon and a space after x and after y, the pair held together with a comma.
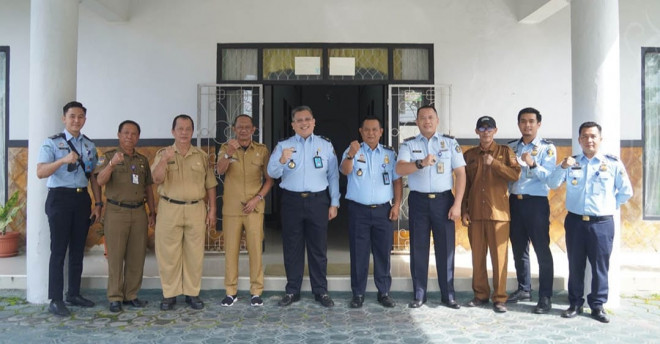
x: 530, y: 222
x: 370, y: 230
x: 588, y: 240
x: 430, y: 215
x: 305, y: 225
x: 68, y: 217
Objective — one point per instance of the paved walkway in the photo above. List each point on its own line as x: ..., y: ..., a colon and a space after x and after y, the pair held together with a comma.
x: 636, y: 321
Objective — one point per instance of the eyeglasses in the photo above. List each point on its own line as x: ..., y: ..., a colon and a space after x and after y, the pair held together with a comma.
x: 488, y: 129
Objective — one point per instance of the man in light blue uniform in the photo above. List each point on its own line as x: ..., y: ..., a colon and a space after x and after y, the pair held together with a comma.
x: 530, y: 210
x: 596, y: 186
x: 307, y: 165
x: 372, y: 183
x: 67, y: 160
x: 428, y: 160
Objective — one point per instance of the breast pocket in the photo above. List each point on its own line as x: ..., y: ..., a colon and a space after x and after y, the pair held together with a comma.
x: 602, y: 183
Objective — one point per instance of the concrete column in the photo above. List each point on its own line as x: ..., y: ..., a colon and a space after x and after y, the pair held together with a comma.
x: 596, y: 95
x: 53, y: 63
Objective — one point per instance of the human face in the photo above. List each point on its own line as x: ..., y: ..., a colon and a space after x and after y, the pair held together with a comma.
x: 528, y: 126
x: 244, y: 129
x: 590, y: 141
x: 303, y: 123
x: 128, y: 137
x: 427, y: 122
x: 183, y: 130
x: 74, y: 119
x: 486, y: 136
x: 371, y: 132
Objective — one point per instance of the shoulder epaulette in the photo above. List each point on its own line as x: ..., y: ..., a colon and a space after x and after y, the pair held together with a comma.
x: 546, y: 141
x: 447, y: 136
x: 90, y: 140
x: 612, y: 157
x: 408, y: 139
x: 325, y: 138
x: 57, y: 135
x: 512, y: 141
x: 388, y: 148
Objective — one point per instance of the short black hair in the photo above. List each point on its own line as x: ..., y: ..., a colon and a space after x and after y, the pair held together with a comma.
x: 587, y: 125
x: 426, y: 107
x: 73, y: 104
x: 371, y: 118
x: 242, y: 115
x: 530, y: 110
x: 128, y: 121
x: 300, y: 109
x: 184, y: 116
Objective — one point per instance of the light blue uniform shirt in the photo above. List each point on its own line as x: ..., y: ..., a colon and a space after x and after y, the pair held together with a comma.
x: 436, y: 178
x: 305, y: 175
x: 595, y: 187
x: 532, y: 181
x: 371, y: 181
x: 56, y: 147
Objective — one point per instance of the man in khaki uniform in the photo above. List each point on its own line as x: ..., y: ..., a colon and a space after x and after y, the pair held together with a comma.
x: 246, y: 184
x: 127, y: 179
x: 184, y: 180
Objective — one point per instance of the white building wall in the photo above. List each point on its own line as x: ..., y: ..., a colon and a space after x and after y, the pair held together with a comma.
x: 147, y: 68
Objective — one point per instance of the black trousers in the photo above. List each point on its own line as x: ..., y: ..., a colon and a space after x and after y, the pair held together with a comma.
x: 530, y: 222
x: 305, y: 225
x: 68, y: 216
x: 429, y: 215
x: 370, y: 230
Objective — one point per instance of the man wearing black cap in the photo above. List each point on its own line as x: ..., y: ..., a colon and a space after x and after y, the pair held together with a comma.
x: 485, y: 208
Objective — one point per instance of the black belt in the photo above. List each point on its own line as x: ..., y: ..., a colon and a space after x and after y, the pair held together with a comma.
x: 590, y: 218
x: 177, y: 201
x: 63, y: 189
x: 129, y: 205
x: 372, y: 206
x: 526, y: 196
x: 433, y: 195
x: 306, y: 194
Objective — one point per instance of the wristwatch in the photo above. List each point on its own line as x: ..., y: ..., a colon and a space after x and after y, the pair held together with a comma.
x: 533, y: 166
x: 419, y: 165
x: 348, y: 157
x: 98, y: 204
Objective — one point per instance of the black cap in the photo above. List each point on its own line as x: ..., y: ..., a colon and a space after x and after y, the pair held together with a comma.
x: 486, y: 121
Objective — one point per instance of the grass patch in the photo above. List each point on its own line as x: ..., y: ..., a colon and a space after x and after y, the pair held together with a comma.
x: 12, y: 301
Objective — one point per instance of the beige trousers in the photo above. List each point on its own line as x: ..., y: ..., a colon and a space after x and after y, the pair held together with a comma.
x: 493, y: 235
x: 232, y: 227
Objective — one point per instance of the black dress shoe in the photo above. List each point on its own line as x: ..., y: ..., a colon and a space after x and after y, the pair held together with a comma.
x: 357, y: 301
x: 386, y: 300
x: 115, y: 307
x: 58, y: 308
x: 416, y: 303
x: 324, y: 299
x: 195, y: 302
x: 544, y: 305
x: 137, y: 303
x: 79, y: 301
x: 477, y: 302
x: 288, y: 299
x: 499, y: 307
x: 167, y: 303
x: 572, y: 312
x: 600, y: 315
x: 519, y: 295
x: 451, y: 304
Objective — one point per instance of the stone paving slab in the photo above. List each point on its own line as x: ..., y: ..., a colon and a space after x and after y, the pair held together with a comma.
x: 636, y: 321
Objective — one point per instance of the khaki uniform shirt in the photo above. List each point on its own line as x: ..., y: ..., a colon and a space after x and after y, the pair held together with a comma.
x: 244, y: 177
x: 123, y: 186
x: 486, y: 188
x: 187, y: 177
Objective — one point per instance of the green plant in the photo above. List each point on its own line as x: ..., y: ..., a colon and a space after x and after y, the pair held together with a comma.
x: 8, y: 211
